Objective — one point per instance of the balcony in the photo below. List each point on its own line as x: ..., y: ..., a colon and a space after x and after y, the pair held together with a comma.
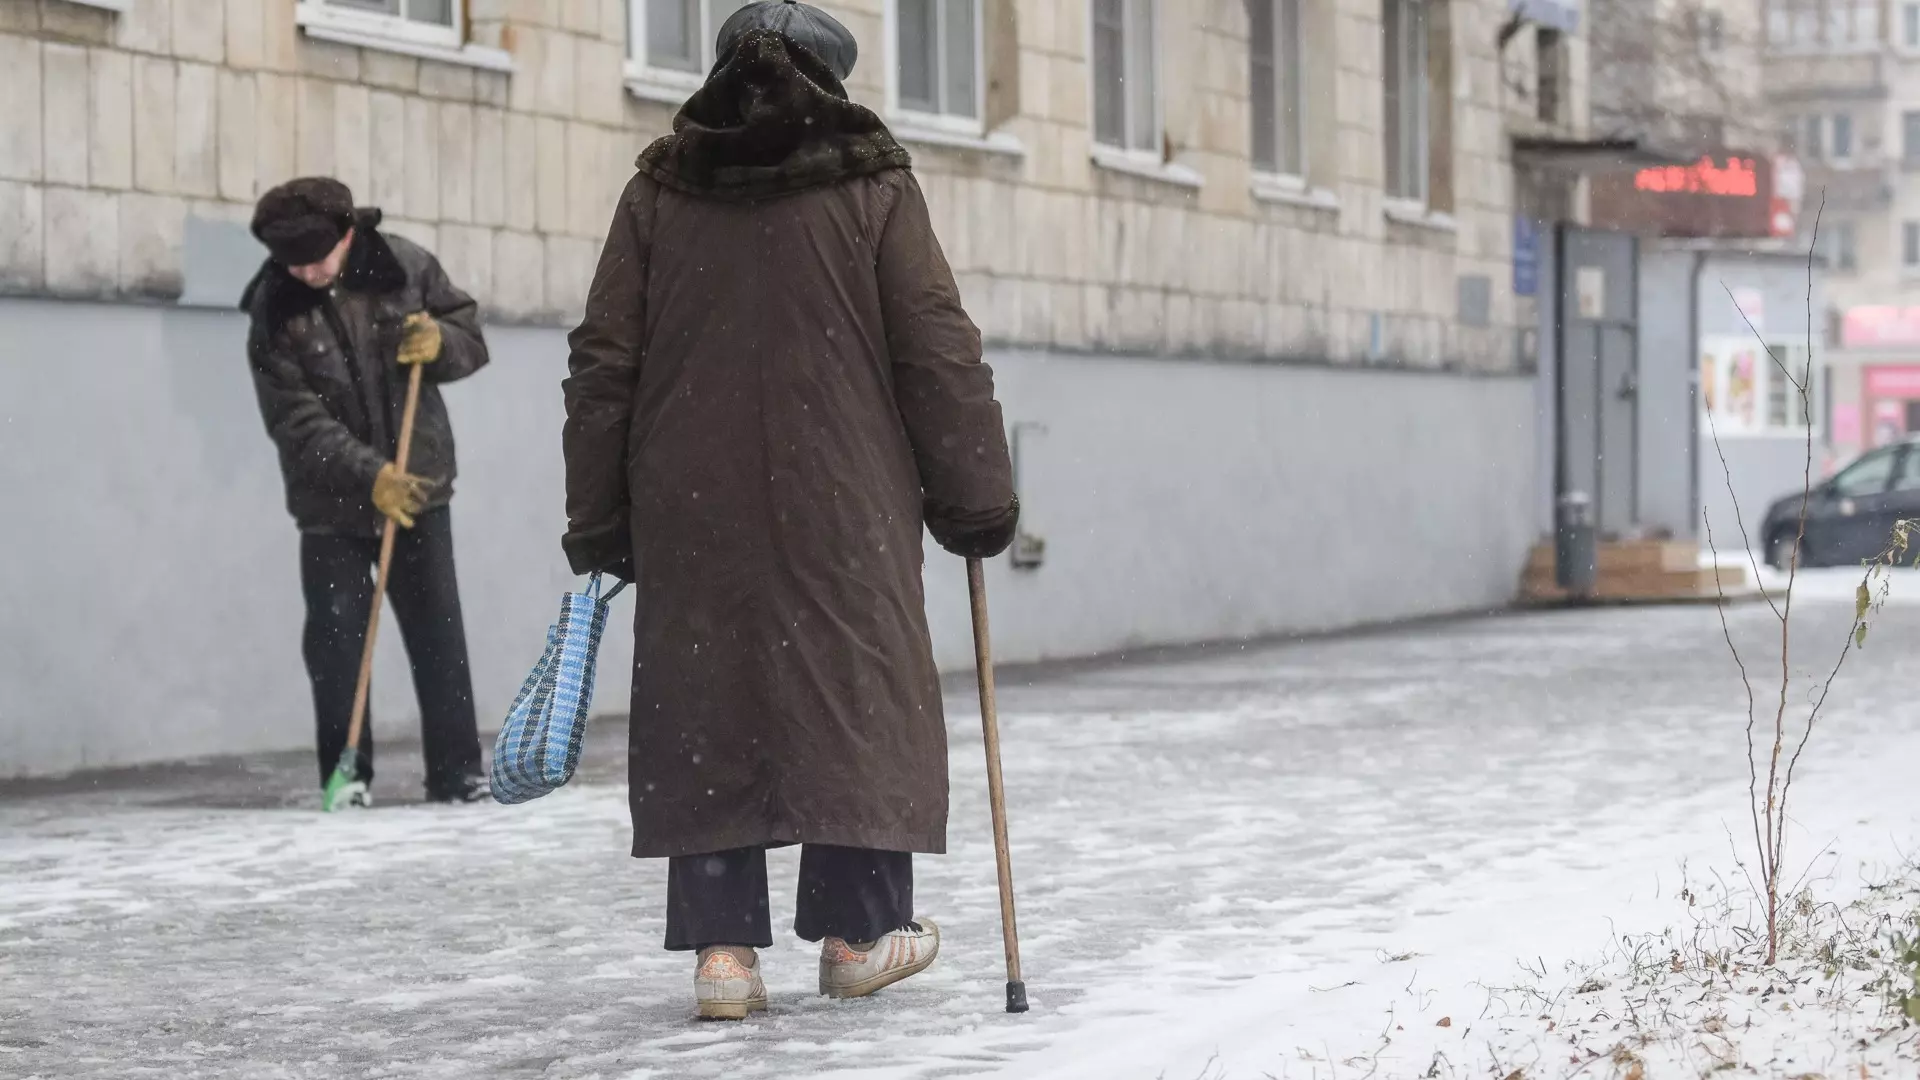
x: 1848, y: 188
x: 1832, y: 76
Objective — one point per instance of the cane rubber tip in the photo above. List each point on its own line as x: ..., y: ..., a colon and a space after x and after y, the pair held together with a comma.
x: 1016, y: 996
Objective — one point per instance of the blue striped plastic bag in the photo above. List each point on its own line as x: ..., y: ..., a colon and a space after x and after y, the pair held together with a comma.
x: 539, y: 745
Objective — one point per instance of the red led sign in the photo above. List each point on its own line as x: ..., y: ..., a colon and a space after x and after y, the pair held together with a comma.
x: 1736, y: 179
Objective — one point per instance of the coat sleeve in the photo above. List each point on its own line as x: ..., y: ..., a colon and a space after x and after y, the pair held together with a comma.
x: 314, y: 447
x: 463, y: 350
x: 942, y: 387
x: 604, y: 373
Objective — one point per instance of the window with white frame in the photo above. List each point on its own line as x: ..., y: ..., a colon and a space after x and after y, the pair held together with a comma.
x: 1788, y: 369
x: 1866, y: 22
x: 1793, y: 24
x: 1910, y: 245
x: 1910, y: 25
x: 1748, y: 388
x: 1404, y: 40
x: 1126, y: 99
x: 672, y: 41
x: 1813, y: 141
x: 1806, y: 24
x: 1709, y: 31
x: 421, y: 22
x: 937, y: 61
x: 1279, y: 99
x: 1837, y: 244
x: 1838, y: 18
x: 1841, y: 143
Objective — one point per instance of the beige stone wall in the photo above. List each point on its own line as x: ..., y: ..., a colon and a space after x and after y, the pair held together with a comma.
x: 119, y: 126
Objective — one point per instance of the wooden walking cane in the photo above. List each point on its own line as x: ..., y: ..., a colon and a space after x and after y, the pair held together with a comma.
x: 996, y: 793
x: 347, y: 770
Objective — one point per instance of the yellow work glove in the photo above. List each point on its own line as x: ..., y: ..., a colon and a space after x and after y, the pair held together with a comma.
x: 420, y: 343
x: 400, y: 495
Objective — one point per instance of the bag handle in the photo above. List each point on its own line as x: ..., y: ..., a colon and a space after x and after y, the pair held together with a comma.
x: 593, y: 589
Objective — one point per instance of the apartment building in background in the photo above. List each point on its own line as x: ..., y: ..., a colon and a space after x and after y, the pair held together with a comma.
x: 1844, y: 79
x: 1246, y: 270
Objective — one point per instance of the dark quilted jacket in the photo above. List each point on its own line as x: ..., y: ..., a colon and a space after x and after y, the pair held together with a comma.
x: 330, y: 389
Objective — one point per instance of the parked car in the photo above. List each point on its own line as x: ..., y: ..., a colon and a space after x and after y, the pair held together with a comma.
x: 1850, y: 517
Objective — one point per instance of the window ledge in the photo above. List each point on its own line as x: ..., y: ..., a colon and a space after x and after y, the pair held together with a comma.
x: 1420, y: 217
x: 1147, y: 166
x: 320, y: 26
x: 652, y: 84
x: 1293, y: 191
x: 117, y: 6
x: 909, y: 130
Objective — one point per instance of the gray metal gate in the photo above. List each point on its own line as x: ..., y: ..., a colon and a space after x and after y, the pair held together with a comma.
x: 1597, y: 373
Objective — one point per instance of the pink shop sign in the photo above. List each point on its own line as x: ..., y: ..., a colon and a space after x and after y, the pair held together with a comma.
x: 1893, y: 382
x: 1874, y: 326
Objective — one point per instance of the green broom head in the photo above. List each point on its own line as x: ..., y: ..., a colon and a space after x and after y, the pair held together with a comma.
x: 344, y: 784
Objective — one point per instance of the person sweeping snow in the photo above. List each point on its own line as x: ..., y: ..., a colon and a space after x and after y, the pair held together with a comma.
x: 340, y: 311
x: 774, y: 389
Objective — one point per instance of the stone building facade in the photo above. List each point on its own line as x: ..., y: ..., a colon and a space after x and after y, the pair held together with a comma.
x: 126, y: 119
x: 1245, y: 270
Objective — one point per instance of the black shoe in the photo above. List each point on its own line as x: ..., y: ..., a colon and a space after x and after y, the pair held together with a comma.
x: 466, y: 789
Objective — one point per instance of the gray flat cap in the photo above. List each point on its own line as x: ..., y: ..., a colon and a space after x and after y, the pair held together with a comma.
x: 803, y: 24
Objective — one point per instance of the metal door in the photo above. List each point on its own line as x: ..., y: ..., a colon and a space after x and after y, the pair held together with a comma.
x: 1597, y: 358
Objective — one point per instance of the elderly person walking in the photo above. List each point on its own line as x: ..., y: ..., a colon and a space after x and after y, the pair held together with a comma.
x: 774, y: 389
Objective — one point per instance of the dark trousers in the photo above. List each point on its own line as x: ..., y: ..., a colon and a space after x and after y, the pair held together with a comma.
x: 337, y: 576
x: 854, y: 894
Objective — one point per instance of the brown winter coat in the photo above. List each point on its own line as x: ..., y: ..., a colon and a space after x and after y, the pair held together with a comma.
x: 774, y: 388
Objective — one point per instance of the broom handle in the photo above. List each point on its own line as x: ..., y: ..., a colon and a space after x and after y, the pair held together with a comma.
x: 361, y: 685
x: 996, y: 793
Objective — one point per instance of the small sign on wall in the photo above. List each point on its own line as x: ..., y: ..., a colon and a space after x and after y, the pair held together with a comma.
x: 1526, y: 256
x: 1752, y: 308
x: 1590, y: 292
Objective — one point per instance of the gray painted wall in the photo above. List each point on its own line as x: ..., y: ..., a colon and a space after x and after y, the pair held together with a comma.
x: 1762, y: 467
x: 152, y: 608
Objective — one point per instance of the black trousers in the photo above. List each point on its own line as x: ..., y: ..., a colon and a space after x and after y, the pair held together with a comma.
x: 855, y: 894
x: 337, y: 576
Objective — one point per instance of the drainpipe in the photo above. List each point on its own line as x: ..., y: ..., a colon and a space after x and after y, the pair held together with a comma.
x: 1693, y: 380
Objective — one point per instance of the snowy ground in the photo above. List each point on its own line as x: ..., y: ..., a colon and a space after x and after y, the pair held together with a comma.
x: 1287, y: 860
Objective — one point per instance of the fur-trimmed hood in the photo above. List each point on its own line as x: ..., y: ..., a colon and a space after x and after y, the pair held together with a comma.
x: 770, y: 121
x: 372, y: 267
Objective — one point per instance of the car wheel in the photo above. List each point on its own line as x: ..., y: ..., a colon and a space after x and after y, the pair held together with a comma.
x: 1780, y: 552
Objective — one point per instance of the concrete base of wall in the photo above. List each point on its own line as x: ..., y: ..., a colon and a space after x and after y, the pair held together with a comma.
x: 152, y: 602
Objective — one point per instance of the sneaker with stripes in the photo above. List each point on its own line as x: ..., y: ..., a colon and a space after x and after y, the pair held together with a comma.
x: 850, y: 971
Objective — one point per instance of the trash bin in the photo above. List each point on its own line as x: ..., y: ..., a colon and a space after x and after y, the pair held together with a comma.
x: 1574, y: 543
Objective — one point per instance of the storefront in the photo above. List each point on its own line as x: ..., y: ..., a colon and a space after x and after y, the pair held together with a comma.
x: 1730, y: 374
x: 1875, y: 396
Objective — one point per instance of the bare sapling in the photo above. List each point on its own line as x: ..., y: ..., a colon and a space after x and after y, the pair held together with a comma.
x: 1774, y: 748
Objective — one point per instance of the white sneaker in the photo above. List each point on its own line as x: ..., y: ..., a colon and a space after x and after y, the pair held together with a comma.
x: 726, y: 989
x: 849, y: 972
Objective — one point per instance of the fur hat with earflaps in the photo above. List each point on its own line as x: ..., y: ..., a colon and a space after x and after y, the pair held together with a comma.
x: 302, y: 220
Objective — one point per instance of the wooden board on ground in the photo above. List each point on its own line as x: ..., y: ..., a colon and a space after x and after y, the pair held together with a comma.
x: 1651, y: 572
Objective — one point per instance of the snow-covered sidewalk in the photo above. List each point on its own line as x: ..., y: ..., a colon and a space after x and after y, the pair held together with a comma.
x: 1284, y: 860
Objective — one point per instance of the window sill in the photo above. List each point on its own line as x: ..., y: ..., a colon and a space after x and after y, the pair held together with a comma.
x: 1293, y: 191
x: 664, y: 88
x: 909, y: 129
x: 1401, y: 212
x: 118, y: 7
x: 1147, y: 166
x: 322, y: 25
